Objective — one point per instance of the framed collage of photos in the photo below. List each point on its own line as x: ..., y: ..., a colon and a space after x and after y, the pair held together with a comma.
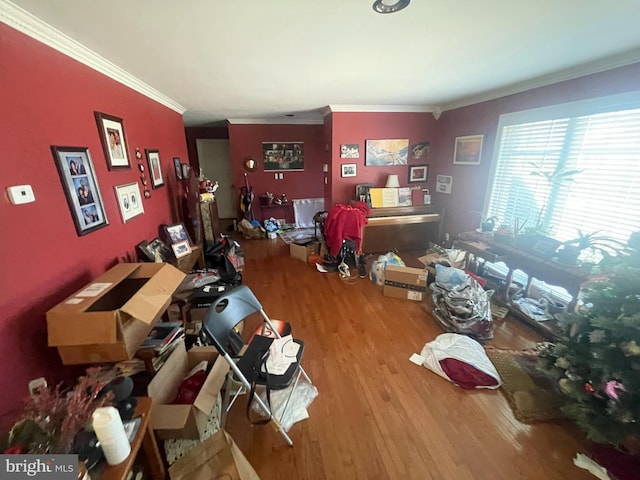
x: 80, y: 184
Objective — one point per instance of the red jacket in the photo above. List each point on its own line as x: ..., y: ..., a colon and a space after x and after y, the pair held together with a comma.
x: 345, y: 222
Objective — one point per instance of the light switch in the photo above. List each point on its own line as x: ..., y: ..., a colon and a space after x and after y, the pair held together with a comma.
x: 19, y: 194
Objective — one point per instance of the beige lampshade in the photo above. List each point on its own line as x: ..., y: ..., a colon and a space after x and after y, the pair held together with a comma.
x: 392, y: 182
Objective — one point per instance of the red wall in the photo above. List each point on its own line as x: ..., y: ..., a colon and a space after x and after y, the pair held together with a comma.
x: 49, y: 99
x: 354, y: 128
x: 246, y: 140
x: 469, y: 182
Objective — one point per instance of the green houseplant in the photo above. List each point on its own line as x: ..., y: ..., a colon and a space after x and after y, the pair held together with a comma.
x: 607, y: 247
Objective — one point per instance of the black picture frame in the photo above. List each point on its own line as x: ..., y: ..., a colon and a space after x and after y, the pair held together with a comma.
x: 155, y: 167
x: 113, y: 139
x: 177, y: 167
x: 80, y: 185
x: 175, y: 233
x: 144, y: 252
x: 158, y: 246
x: 418, y: 173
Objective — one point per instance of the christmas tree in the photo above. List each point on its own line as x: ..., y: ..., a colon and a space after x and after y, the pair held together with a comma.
x: 597, y: 364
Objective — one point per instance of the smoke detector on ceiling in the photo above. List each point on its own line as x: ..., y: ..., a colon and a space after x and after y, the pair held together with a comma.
x: 390, y: 6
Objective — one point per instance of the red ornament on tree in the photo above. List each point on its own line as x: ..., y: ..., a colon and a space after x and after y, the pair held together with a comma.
x: 589, y: 388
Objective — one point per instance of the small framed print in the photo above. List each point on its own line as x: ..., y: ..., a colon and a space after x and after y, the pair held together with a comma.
x: 181, y: 249
x: 155, y: 168
x: 129, y: 201
x: 350, y: 150
x: 177, y: 167
x: 468, y: 150
x: 114, y: 142
x: 418, y: 173
x: 348, y: 170
x: 444, y: 183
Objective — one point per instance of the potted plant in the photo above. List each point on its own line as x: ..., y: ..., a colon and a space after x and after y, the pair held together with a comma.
x: 554, y: 179
x: 489, y: 224
x: 603, y: 245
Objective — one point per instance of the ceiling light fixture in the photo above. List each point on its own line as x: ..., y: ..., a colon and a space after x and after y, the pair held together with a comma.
x: 390, y: 6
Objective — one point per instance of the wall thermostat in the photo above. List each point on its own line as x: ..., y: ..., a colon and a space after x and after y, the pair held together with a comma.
x: 19, y: 194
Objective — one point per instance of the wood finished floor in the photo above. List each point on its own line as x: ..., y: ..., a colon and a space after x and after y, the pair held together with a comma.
x: 377, y: 415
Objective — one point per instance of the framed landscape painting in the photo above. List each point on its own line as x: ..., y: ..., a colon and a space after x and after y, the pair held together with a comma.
x: 468, y: 150
x: 382, y: 153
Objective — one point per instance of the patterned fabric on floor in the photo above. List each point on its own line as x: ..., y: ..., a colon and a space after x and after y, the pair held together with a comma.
x: 297, y: 235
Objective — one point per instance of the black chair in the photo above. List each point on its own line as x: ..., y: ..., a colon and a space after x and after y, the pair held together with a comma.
x: 219, y: 327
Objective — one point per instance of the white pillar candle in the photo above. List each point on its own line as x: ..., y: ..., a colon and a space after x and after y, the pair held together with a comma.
x: 110, y: 432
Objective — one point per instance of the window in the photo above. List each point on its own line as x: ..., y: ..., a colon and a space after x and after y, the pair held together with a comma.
x: 598, y: 140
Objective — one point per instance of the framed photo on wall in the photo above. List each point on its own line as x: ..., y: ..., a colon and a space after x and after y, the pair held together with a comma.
x: 418, y: 173
x: 177, y: 167
x: 348, y: 170
x: 350, y: 150
x: 114, y: 142
x: 129, y: 201
x: 468, y: 150
x: 283, y: 156
x: 155, y: 167
x: 80, y: 185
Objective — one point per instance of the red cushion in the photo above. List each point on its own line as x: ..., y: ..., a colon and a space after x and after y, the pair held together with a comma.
x: 466, y: 376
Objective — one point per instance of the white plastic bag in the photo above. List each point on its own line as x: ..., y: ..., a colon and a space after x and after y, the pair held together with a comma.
x: 462, y: 348
x: 376, y: 273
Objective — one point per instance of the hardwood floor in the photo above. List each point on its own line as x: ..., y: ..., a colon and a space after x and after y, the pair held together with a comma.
x: 377, y: 415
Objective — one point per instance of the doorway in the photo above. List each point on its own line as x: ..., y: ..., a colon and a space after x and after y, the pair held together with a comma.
x: 215, y: 162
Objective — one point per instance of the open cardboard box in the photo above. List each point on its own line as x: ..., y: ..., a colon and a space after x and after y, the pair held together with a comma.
x: 107, y: 320
x: 185, y: 421
x: 302, y: 252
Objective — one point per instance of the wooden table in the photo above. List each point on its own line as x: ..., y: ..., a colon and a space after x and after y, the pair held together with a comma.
x: 144, y: 438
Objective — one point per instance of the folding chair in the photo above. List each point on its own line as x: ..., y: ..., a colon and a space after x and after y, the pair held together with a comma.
x: 219, y: 328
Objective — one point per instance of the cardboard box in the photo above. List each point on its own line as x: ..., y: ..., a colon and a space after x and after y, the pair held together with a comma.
x: 405, y: 282
x: 454, y: 258
x: 302, y: 252
x: 107, y: 320
x: 216, y: 457
x: 185, y: 421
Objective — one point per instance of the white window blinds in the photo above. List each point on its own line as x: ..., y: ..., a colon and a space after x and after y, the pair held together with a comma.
x: 604, y: 147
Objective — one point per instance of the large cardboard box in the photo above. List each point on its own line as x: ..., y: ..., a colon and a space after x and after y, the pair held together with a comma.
x: 216, y: 457
x: 185, y: 421
x: 405, y: 282
x: 108, y: 319
x: 302, y: 252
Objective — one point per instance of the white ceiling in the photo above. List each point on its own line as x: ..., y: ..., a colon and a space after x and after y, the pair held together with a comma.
x: 260, y: 59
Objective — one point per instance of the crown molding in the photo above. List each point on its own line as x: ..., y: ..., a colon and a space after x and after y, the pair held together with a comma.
x: 380, y: 108
x: 35, y: 28
x: 275, y: 121
x: 609, y: 63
